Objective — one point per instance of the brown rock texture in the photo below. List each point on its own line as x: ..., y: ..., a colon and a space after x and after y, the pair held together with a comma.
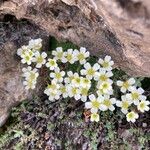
x: 13, y: 35
x: 120, y: 28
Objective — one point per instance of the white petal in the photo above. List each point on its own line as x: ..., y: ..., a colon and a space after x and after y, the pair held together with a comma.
x: 83, y: 72
x: 103, y: 107
x: 113, y: 100
x: 140, y: 90
x: 119, y: 103
x: 107, y: 58
x: 94, y: 110
x: 119, y: 83
x: 88, y: 105
x: 142, y: 97
x: 87, y: 66
x: 77, y: 97
x: 112, y: 108
x: 131, y: 81
x: 92, y: 97
x: 96, y: 66
x: 109, y: 74
x: 123, y: 90
x: 101, y: 61
x: 125, y: 111
x: 83, y: 49
x: 111, y: 63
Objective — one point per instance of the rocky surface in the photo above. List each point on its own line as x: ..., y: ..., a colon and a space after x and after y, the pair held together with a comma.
x: 113, y: 28
x: 13, y: 35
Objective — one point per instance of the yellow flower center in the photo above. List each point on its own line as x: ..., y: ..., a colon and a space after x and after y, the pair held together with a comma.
x: 125, y: 104
x: 63, y: 89
x: 103, y: 77
x: 52, y: 86
x: 77, y: 80
x: 80, y: 56
x: 58, y: 75
x: 69, y: 57
x: 130, y: 115
x: 40, y: 59
x: 84, y: 91
x: 27, y: 58
x: 135, y: 96
x: 101, y: 91
x: 142, y: 105
x: 30, y: 84
x: 52, y: 62
x: 126, y: 85
x: 59, y: 54
x: 74, y: 91
x: 94, y: 116
x: 105, y: 64
x: 90, y: 71
x: 31, y: 53
x: 32, y: 76
x: 107, y: 102
x: 95, y: 104
x: 105, y: 86
x: 86, y: 81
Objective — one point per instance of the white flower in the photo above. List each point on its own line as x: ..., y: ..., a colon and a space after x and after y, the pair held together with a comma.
x: 143, y: 106
x: 22, y: 50
x: 58, y: 53
x: 103, y: 76
x: 63, y: 90
x: 26, y: 70
x: 89, y: 70
x: 27, y: 57
x: 31, y: 74
x: 52, y: 91
x: 70, y: 77
x: 39, y: 59
x: 29, y: 84
x: 95, y: 103
x: 81, y: 55
x: 136, y: 95
x: 51, y: 64
x: 30, y: 77
x: 35, y: 44
x: 57, y: 75
x: 94, y: 117
x: 53, y: 87
x: 84, y: 93
x: 132, y: 116
x: 108, y: 102
x: 127, y: 85
x: 85, y: 83
x: 106, y: 63
x: 76, y: 81
x: 69, y: 57
x: 73, y: 92
x: 105, y: 87
x: 124, y: 104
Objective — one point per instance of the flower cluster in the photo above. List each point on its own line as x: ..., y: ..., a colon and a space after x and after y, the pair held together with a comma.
x: 133, y: 96
x: 31, y: 54
x: 92, y: 83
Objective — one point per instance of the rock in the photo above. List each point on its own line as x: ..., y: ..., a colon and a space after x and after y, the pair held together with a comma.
x: 117, y: 28
x: 14, y: 34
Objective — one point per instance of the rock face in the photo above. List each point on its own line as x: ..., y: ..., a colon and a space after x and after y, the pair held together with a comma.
x: 120, y: 28
x: 13, y: 35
